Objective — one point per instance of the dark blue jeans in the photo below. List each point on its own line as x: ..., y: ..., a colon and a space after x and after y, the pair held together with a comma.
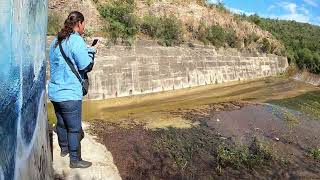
x: 69, y: 129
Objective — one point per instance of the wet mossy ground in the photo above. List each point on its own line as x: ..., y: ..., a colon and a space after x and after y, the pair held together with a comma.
x: 195, y: 153
x: 308, y: 104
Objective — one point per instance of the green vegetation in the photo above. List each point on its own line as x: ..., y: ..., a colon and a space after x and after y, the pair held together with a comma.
x: 167, y: 29
x: 258, y: 153
x: 251, y: 38
x: 308, y: 103
x: 217, y: 36
x: 266, y: 46
x: 54, y: 24
x: 302, y: 41
x: 315, y: 153
x: 289, y: 117
x: 221, y: 7
x: 122, y: 23
x: 185, y: 146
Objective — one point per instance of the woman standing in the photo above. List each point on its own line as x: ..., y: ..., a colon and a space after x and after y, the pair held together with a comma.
x: 65, y: 89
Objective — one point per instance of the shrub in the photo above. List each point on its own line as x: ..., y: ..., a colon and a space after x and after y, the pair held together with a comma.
x: 232, y: 39
x: 255, y: 19
x: 266, y: 46
x: 257, y: 154
x: 220, y: 6
x: 122, y: 23
x: 150, y: 26
x: 250, y: 39
x: 54, y: 24
x: 216, y: 35
x: 315, y: 153
x: 291, y: 55
x: 316, y: 60
x: 308, y: 60
x: 168, y: 30
x: 202, y: 33
x: 305, y: 58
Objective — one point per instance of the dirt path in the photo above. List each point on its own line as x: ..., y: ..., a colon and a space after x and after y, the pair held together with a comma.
x: 103, y: 167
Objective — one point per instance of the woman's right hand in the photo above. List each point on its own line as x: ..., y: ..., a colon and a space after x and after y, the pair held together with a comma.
x: 92, y: 52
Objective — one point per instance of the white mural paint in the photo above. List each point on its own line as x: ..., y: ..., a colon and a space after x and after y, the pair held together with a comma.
x: 29, y: 157
x: 1, y: 174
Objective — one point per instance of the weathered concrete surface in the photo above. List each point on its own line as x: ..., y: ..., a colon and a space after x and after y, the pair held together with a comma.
x: 307, y: 77
x: 103, y: 167
x: 147, y: 67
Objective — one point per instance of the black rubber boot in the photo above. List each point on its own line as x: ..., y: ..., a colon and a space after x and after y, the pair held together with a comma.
x: 80, y: 164
x: 64, y: 152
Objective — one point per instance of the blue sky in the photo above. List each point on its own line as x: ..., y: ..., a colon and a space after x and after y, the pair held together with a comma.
x: 298, y: 10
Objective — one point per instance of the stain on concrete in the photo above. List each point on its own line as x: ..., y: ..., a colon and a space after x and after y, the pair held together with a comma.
x: 146, y: 68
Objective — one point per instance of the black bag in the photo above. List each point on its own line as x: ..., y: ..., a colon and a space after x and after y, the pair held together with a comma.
x: 85, y: 81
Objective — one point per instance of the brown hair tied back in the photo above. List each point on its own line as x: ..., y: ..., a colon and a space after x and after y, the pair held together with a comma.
x: 72, y: 20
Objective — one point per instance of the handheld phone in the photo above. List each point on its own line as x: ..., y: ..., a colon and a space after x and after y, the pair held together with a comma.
x: 95, y: 41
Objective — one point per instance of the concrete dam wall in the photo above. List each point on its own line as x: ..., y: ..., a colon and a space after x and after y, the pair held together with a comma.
x: 24, y: 142
x: 147, y: 67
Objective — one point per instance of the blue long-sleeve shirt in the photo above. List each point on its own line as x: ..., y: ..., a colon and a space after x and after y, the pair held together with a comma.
x: 63, y: 84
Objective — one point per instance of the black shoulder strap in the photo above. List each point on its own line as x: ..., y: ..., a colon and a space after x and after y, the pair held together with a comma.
x: 73, y: 69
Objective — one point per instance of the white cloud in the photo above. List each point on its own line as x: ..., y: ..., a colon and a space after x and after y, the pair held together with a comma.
x: 311, y: 2
x: 304, y: 10
x: 291, y: 7
x: 215, y: 1
x: 296, y: 17
x: 239, y: 11
x: 293, y: 12
x: 271, y: 7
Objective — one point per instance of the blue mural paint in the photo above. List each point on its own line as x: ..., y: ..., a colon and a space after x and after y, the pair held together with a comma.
x: 24, y: 152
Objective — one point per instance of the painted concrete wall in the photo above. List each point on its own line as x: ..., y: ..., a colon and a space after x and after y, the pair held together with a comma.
x: 147, y: 67
x: 24, y: 145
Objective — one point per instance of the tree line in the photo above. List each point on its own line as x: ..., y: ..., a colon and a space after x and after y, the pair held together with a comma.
x: 302, y: 40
